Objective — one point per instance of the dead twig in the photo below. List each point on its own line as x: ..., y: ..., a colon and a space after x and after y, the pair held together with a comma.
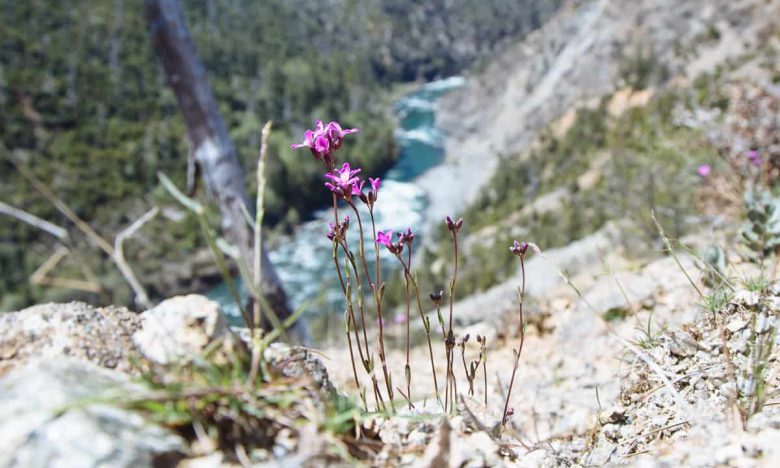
x: 119, y: 257
x: 51, y: 228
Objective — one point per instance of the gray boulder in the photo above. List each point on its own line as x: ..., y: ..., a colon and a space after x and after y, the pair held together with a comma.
x: 51, y: 416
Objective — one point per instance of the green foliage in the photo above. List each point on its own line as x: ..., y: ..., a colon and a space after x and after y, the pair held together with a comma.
x: 716, y: 299
x: 761, y: 231
x: 83, y: 102
x: 714, y: 268
x: 648, y: 337
x: 759, y: 284
x: 215, y: 399
x: 642, y: 70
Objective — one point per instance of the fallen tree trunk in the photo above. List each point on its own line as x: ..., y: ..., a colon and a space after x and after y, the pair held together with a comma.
x: 212, y: 154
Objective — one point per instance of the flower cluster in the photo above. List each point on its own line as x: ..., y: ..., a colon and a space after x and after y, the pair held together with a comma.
x: 369, y: 198
x: 386, y: 238
x: 519, y: 248
x: 324, y: 140
x: 453, y: 226
x: 337, y: 231
x: 343, y: 181
x: 345, y: 184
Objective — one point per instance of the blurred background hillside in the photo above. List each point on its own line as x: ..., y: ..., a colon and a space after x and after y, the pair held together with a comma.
x: 84, y: 103
x: 535, y: 119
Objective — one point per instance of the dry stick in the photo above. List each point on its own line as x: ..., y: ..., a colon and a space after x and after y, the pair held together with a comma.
x: 121, y: 263
x: 50, y: 228
x: 40, y: 275
x: 258, y: 258
x: 259, y: 213
x: 63, y: 208
x: 123, y: 267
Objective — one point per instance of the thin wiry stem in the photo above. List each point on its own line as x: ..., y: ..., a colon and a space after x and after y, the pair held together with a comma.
x: 454, y: 278
x: 449, y: 340
x: 350, y: 315
x: 378, y: 300
x: 427, y: 325
x: 521, y: 329
x: 351, y: 260
x: 407, y: 369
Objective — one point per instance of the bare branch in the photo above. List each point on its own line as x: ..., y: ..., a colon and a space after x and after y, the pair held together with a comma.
x: 51, y: 228
x: 119, y: 257
x: 41, y: 276
x: 62, y: 207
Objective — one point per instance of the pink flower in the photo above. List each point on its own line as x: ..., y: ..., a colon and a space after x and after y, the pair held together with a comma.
x: 324, y: 140
x: 342, y: 181
x: 357, y: 188
x: 704, y: 170
x: 336, y: 134
x: 336, y: 231
x: 755, y: 157
x: 399, y: 319
x: 385, y: 238
x: 370, y: 197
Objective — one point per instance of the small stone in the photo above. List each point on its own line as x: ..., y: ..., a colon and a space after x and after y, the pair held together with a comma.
x: 616, y: 415
x: 736, y: 324
x: 611, y: 431
x: 763, y: 420
x: 179, y: 328
x: 748, y: 298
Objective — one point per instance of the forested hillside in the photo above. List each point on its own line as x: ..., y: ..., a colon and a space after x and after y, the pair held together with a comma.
x: 84, y: 104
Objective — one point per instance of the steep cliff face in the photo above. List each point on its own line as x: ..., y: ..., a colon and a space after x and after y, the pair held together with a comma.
x: 585, y: 51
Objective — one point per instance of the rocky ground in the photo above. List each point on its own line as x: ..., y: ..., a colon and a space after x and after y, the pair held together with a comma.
x: 634, y: 369
x: 625, y: 360
x: 608, y: 377
x: 87, y: 386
